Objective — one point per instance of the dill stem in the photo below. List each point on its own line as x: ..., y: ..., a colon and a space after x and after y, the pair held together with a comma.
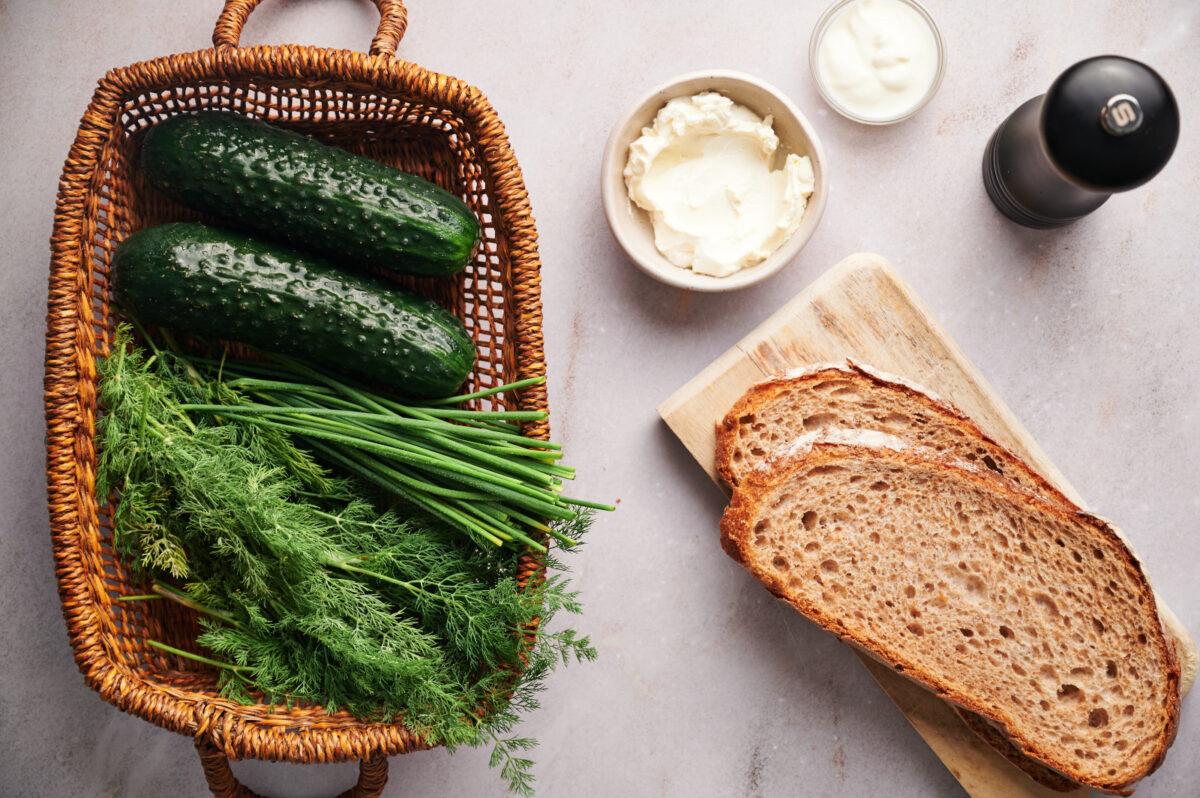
x: 354, y: 569
x: 181, y: 598
x: 142, y: 597
x: 237, y: 669
x: 345, y: 565
x: 145, y: 336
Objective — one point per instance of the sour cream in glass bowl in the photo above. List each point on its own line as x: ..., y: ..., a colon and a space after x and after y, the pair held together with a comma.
x: 877, y: 61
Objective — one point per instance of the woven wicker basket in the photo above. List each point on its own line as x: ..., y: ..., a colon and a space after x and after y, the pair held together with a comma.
x: 429, y: 124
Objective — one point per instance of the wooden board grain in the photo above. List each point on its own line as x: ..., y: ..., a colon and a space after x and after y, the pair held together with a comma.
x: 861, y: 308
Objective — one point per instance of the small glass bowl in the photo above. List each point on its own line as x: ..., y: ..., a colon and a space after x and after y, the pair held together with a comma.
x: 814, y: 48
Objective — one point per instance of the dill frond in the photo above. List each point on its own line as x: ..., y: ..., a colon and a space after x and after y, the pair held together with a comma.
x: 313, y: 589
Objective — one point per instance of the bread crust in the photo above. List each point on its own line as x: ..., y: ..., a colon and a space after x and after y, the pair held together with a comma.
x: 1005, y: 747
x: 738, y: 520
x: 765, y: 390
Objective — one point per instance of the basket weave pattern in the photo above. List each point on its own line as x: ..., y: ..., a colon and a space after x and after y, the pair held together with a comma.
x: 429, y: 124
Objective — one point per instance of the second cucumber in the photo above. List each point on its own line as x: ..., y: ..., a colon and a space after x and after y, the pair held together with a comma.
x: 292, y: 188
x: 222, y: 284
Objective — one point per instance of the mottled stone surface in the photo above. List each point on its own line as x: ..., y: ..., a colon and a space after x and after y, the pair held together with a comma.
x: 705, y: 685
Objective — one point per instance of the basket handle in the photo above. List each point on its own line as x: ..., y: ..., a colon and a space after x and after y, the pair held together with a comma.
x: 372, y: 775
x: 393, y: 19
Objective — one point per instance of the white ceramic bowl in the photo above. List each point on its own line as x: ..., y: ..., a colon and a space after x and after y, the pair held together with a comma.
x: 631, y: 225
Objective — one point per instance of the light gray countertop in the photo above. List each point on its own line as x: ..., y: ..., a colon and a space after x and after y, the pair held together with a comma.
x: 705, y: 685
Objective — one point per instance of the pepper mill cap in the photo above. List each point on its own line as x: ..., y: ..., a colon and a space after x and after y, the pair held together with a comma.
x: 1109, y: 123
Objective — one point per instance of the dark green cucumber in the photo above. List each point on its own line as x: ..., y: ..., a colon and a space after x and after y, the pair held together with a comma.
x: 221, y: 284
x: 319, y: 198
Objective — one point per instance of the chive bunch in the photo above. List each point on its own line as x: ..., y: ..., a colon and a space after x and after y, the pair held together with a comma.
x: 472, y: 469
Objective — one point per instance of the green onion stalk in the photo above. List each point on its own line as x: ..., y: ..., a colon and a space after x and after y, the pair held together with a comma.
x: 472, y: 469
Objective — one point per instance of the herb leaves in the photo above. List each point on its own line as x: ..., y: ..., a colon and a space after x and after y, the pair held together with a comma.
x: 308, y: 588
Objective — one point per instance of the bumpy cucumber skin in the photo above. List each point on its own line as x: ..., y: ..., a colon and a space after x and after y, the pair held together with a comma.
x: 218, y: 283
x: 318, y: 198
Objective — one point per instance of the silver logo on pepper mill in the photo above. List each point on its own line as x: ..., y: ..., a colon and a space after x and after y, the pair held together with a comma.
x: 1122, y: 114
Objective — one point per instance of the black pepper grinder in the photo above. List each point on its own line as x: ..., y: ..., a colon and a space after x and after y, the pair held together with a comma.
x: 1107, y: 124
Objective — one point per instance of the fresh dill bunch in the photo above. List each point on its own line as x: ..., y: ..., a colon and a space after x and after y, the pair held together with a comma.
x: 443, y: 582
x: 147, y: 443
x: 308, y: 590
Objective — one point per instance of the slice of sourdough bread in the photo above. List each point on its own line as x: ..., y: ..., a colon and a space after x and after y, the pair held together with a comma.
x: 849, y: 395
x: 827, y: 396
x: 780, y: 409
x: 1034, y: 616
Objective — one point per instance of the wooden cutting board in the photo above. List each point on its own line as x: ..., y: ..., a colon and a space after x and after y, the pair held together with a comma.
x: 861, y: 308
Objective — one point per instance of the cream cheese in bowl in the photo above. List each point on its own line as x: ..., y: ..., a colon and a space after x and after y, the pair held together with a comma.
x: 786, y: 132
x: 704, y: 171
